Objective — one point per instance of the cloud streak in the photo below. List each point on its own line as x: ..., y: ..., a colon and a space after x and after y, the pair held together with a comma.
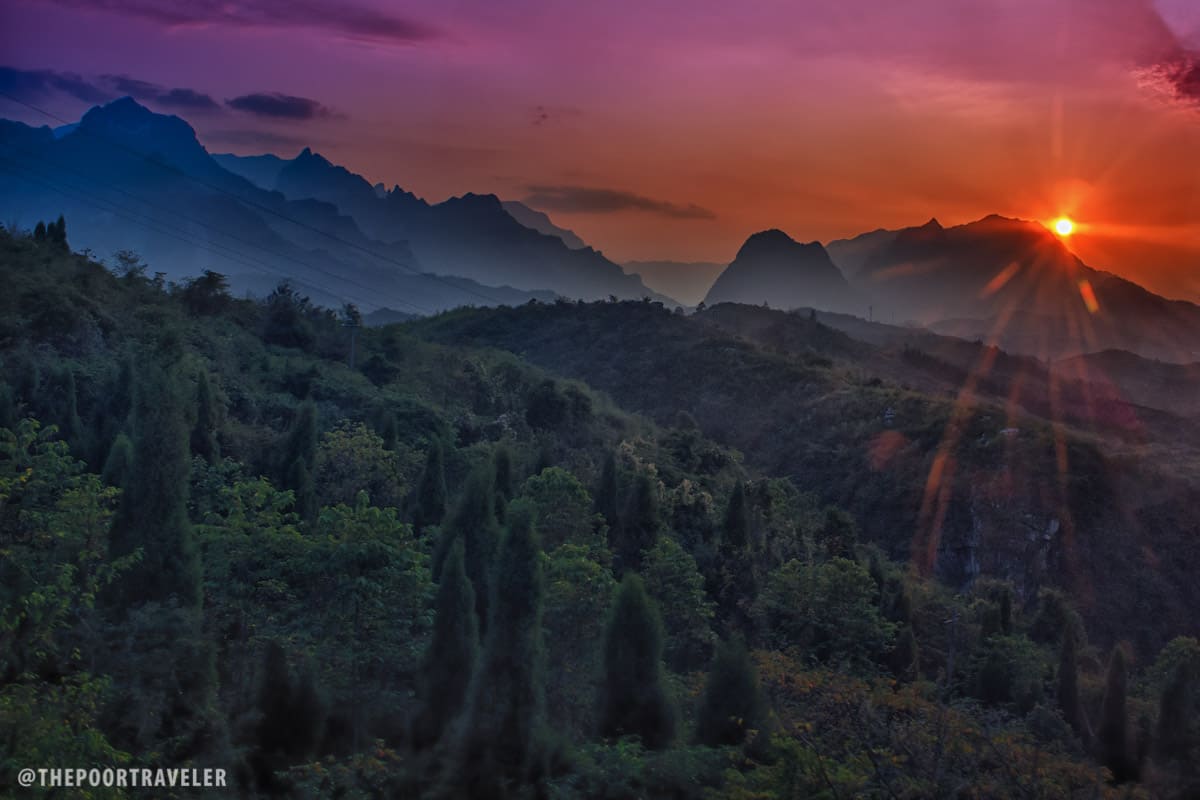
x: 181, y: 99
x: 34, y: 84
x: 279, y: 106
x: 1177, y: 79
x: 588, y: 200
x: 349, y: 21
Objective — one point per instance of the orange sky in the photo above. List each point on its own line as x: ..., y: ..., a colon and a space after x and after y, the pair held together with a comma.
x: 672, y: 130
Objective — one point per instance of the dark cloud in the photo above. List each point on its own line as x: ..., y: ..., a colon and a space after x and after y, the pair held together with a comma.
x: 1177, y: 78
x: 354, y: 22
x: 582, y: 199
x: 34, y: 84
x: 279, y: 106
x: 178, y: 98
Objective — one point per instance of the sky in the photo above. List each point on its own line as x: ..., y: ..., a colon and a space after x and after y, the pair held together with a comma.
x: 674, y: 130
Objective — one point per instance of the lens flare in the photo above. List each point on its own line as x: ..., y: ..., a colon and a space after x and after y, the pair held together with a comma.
x: 1064, y: 226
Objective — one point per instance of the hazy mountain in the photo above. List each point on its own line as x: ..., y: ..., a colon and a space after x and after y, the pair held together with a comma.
x: 128, y: 179
x: 686, y: 281
x: 472, y: 236
x: 851, y: 254
x: 262, y: 170
x: 774, y: 269
x: 540, y: 222
x: 1014, y: 283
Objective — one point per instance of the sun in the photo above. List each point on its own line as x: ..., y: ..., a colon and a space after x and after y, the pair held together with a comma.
x: 1064, y: 226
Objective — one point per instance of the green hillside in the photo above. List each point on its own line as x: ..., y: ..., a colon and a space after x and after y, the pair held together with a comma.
x: 561, y: 551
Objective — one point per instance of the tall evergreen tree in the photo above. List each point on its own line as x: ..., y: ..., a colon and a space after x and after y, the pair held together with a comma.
x: 502, y: 462
x: 302, y: 439
x: 1112, y: 735
x: 204, y: 433
x: 39, y: 231
x: 452, y: 652
x: 153, y: 511
x: 639, y: 526
x: 474, y: 522
x: 119, y: 461
x: 429, y: 501
x: 1068, y: 685
x: 1177, y: 734
x: 290, y: 719
x: 633, y: 698
x: 905, y: 658
x: 500, y: 746
x: 299, y: 479
x: 736, y: 533
x: 606, y: 497
x: 732, y: 704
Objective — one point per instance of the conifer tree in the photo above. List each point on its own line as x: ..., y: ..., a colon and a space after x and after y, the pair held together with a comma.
x: 429, y: 502
x: 204, y: 433
x: 1112, y: 735
x: 906, y: 656
x: 119, y: 461
x: 1178, y: 732
x: 290, y: 719
x: 299, y: 479
x: 474, y: 521
x: 39, y: 231
x: 1068, y: 685
x: 639, y: 526
x: 504, y: 482
x: 152, y: 514
x: 452, y: 652
x: 736, y: 533
x: 633, y: 698
x: 732, y: 703
x: 606, y: 496
x: 389, y: 430
x: 500, y: 746
x: 302, y: 439
x: 71, y: 424
x: 8, y: 406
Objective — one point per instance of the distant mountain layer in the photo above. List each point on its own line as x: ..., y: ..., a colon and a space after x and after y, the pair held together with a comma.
x: 536, y: 220
x: 473, y: 236
x: 776, y: 270
x: 128, y: 179
x: 686, y: 281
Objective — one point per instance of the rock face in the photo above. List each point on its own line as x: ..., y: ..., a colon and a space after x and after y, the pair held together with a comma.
x: 775, y: 269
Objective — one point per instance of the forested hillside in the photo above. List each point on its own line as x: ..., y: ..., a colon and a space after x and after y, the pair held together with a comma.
x: 433, y: 560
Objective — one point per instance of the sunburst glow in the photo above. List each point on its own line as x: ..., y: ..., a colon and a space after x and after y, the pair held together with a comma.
x: 1064, y: 226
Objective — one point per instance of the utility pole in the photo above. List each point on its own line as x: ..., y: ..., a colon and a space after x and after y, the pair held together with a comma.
x: 352, y: 319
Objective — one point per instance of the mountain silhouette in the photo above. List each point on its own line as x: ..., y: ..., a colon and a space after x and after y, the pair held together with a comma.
x: 1015, y: 283
x: 541, y: 222
x: 129, y: 179
x: 473, y: 236
x: 774, y: 269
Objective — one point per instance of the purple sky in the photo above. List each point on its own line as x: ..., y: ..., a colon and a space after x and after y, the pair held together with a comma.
x: 673, y: 130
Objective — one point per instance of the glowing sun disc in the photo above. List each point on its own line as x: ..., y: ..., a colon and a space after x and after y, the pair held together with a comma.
x: 1063, y: 226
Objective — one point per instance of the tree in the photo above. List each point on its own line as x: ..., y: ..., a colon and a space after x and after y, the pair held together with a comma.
x: 300, y: 481
x: 301, y: 443
x: 119, y: 461
x: 606, y: 497
x: 450, y: 659
x: 1068, y: 686
x: 152, y: 515
x: 905, y: 659
x: 502, y: 461
x: 736, y: 533
x: 1177, y: 730
x: 547, y: 407
x: 204, y: 433
x: 1112, y: 737
x: 639, y: 525
x: 474, y: 523
x: 732, y: 704
x: 290, y: 719
x: 562, y: 505
x: 429, y: 502
x: 675, y: 584
x: 500, y: 744
x: 633, y: 699
x: 39, y: 231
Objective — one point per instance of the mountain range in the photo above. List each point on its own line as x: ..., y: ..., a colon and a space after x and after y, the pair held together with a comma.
x: 129, y: 179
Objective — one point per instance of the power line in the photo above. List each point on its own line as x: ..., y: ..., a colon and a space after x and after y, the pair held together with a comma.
x: 252, y: 203
x: 201, y: 223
